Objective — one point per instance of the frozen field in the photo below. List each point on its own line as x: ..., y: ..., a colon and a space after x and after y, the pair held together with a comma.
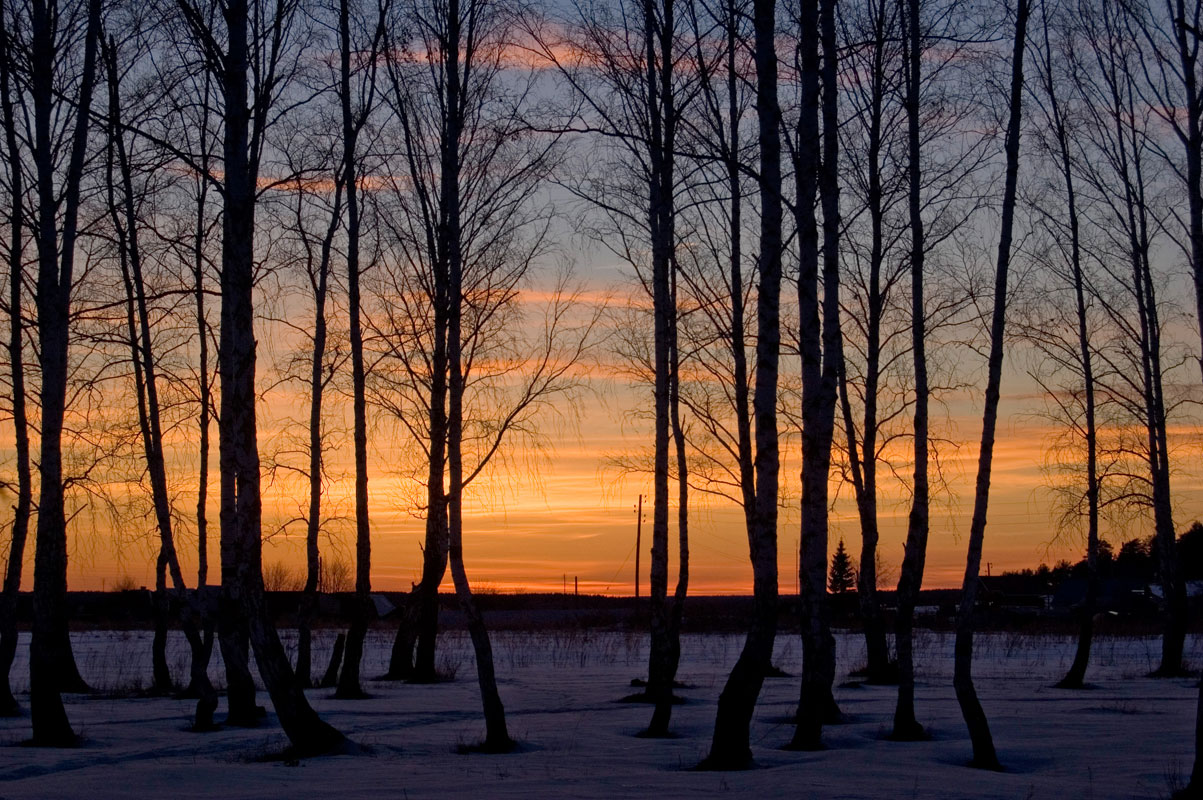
x: 1129, y: 736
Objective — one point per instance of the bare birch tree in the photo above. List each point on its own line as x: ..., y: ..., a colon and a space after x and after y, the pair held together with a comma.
x: 984, y: 755
x: 356, y: 110
x: 15, y: 344
x: 465, y: 233
x: 730, y: 747
x: 59, y: 47
x: 123, y: 201
x: 250, y: 57
x: 815, y: 150
x: 627, y: 90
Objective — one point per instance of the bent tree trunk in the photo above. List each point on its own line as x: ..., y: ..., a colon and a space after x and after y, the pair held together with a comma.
x: 910, y: 580
x: 984, y: 755
x: 497, y: 737
x: 730, y: 747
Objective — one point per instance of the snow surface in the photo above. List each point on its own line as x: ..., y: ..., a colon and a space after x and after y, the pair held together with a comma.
x: 1128, y: 736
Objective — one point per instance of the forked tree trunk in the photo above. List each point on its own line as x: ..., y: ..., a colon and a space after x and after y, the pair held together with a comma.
x: 435, y: 545
x: 730, y: 747
x: 241, y: 509
x: 821, y: 350
x: 401, y: 659
x: 434, y: 551
x: 51, y: 662
x: 984, y: 755
x: 16, y: 360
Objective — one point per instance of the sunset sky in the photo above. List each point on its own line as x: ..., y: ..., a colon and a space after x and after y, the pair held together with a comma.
x: 541, y: 520
x: 568, y: 513
x: 580, y: 522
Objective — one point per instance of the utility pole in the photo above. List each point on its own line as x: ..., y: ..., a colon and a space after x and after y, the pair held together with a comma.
x: 638, y: 544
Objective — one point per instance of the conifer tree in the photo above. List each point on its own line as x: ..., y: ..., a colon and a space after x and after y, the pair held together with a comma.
x: 842, y: 576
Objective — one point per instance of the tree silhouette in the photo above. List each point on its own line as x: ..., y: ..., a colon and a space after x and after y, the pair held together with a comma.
x: 842, y: 576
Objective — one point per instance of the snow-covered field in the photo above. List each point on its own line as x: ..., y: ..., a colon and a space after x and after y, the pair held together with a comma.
x: 1129, y: 736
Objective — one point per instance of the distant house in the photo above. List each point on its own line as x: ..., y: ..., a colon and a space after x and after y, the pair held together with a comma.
x: 1015, y: 595
x: 1121, y: 595
x: 1193, y: 589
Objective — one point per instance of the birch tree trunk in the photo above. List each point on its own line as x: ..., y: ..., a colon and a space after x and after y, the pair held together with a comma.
x: 822, y: 357
x: 16, y: 359
x: 456, y: 67
x: 1187, y: 32
x: 910, y: 580
x: 863, y: 454
x: 147, y: 404
x: 317, y: 388
x: 51, y: 662
x: 730, y: 747
x: 349, y: 683
x: 200, y: 667
x: 984, y: 755
x: 1075, y: 677
x: 664, y: 654
x: 241, y: 503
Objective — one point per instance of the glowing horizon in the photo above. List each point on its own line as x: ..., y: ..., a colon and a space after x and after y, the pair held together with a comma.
x: 538, y: 526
